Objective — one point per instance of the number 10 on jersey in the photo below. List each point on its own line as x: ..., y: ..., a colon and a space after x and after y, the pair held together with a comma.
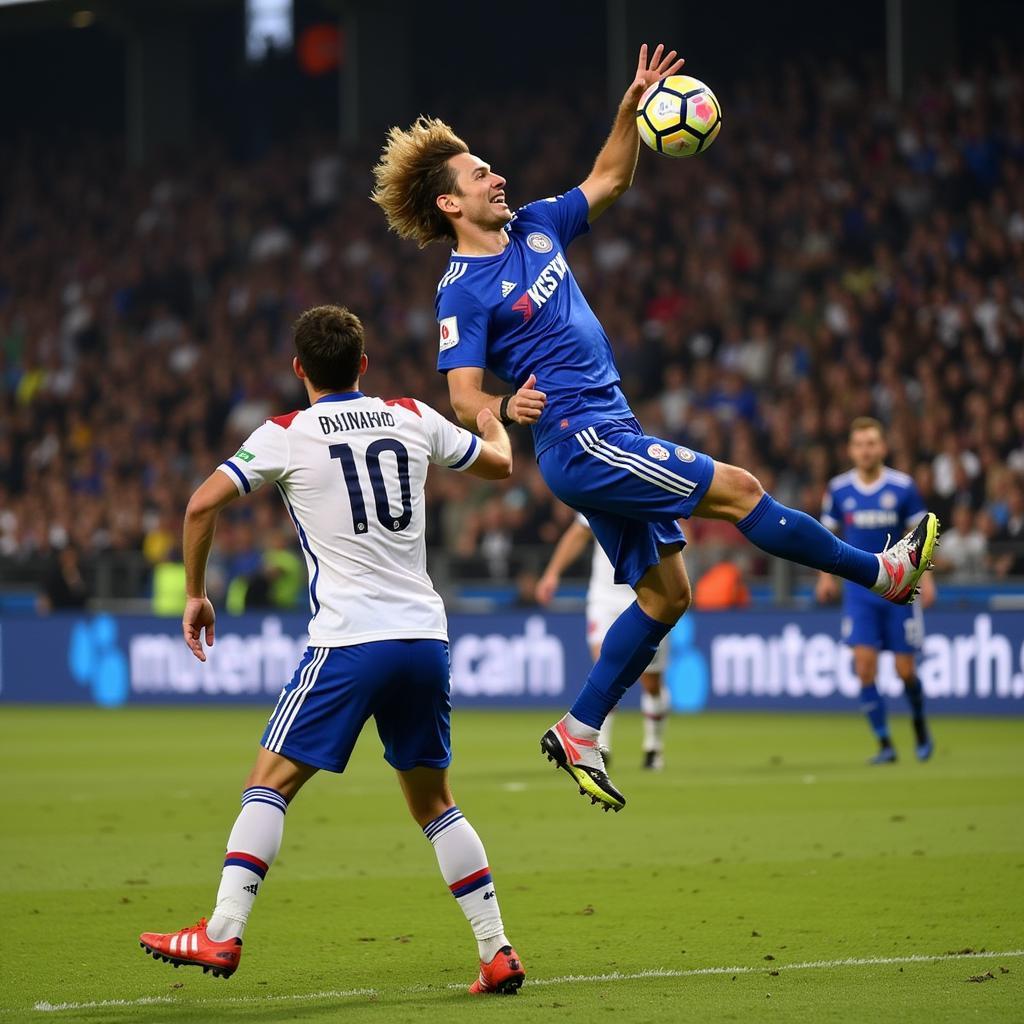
x: 343, y: 453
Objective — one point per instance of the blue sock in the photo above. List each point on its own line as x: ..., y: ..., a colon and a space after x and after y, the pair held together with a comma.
x: 628, y: 648
x: 795, y: 536
x: 872, y: 703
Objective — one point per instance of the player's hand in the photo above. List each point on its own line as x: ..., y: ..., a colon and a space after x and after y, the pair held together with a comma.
x: 660, y: 66
x: 546, y: 587
x: 199, y: 615
x: 826, y: 590
x: 527, y: 403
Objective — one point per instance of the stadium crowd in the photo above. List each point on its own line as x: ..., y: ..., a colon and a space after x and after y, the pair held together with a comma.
x: 835, y: 254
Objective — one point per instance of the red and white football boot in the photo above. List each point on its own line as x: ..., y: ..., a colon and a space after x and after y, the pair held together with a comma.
x: 192, y: 947
x: 503, y: 976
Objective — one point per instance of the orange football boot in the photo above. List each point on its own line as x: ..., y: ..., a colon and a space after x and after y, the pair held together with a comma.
x: 192, y: 947
x: 503, y: 976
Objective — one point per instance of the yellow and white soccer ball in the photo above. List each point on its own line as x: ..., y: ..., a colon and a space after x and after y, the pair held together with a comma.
x: 679, y: 116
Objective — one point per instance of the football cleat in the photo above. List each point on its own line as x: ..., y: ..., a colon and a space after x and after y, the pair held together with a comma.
x: 925, y: 749
x: 886, y: 755
x: 191, y: 947
x: 503, y: 976
x: 906, y: 561
x: 653, y: 761
x: 582, y: 760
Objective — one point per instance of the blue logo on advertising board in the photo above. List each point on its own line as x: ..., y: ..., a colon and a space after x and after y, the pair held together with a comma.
x: 687, y: 674
x: 96, y: 661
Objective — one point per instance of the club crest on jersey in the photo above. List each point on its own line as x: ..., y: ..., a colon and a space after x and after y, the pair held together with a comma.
x: 658, y: 451
x: 684, y: 454
x: 539, y: 242
x: 888, y: 500
x: 449, y: 332
x: 506, y: 288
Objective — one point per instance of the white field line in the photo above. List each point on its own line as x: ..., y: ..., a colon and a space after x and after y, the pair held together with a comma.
x: 565, y: 979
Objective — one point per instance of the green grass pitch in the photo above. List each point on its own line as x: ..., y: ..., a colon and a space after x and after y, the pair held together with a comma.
x: 766, y: 852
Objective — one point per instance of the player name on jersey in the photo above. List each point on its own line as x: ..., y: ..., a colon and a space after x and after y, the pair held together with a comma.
x: 355, y: 421
x: 872, y: 518
x: 548, y: 280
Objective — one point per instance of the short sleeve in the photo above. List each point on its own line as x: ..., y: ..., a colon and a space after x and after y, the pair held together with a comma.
x: 913, y: 507
x: 450, y: 445
x: 263, y: 458
x: 830, y: 515
x: 566, y: 214
x: 462, y: 326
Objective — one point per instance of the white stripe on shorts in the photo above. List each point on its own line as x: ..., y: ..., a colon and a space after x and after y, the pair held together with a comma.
x: 287, y: 712
x: 669, y: 480
x: 635, y: 464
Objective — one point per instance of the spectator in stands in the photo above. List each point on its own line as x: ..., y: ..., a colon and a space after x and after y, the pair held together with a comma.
x: 64, y: 587
x: 963, y: 553
x: 1008, y: 543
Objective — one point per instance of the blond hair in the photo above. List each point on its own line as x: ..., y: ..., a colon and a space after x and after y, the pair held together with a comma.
x: 867, y: 423
x: 412, y: 172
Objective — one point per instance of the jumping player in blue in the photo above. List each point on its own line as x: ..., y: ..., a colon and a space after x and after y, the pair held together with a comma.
x: 507, y: 302
x: 867, y: 506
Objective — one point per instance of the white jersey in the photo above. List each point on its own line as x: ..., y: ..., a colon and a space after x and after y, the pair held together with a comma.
x: 351, y: 470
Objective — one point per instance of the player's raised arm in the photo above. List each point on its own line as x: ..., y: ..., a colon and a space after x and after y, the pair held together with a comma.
x: 613, y: 169
x: 200, y: 525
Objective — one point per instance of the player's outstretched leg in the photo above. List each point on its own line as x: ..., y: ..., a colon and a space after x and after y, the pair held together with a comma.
x: 736, y: 496
x: 463, y: 863
x: 253, y: 845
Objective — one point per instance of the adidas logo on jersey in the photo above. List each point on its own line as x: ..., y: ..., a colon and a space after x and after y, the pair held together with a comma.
x: 506, y: 288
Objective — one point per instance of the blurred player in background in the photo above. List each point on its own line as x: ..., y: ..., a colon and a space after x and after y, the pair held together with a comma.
x: 606, y: 601
x: 868, y: 505
x: 508, y: 303
x: 351, y: 470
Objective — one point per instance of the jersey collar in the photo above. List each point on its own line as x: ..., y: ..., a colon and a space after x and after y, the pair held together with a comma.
x: 869, y: 488
x: 340, y: 396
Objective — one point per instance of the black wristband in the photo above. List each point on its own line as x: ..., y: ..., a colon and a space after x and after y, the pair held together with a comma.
x: 503, y: 411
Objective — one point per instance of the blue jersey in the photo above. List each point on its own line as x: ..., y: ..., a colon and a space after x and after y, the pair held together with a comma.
x: 521, y: 312
x: 870, y: 515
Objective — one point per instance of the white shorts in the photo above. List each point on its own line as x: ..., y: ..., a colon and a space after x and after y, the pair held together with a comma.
x: 601, y: 615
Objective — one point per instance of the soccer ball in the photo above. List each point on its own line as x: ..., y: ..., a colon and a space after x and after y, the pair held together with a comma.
x: 678, y: 116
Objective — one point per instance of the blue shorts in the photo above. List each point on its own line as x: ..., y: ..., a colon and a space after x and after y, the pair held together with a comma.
x: 403, y: 684
x: 632, y: 488
x: 871, y: 621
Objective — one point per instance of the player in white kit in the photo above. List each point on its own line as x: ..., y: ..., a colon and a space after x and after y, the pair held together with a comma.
x: 351, y: 471
x: 606, y: 601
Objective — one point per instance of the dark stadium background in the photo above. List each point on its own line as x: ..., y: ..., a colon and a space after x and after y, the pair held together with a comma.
x: 846, y: 247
